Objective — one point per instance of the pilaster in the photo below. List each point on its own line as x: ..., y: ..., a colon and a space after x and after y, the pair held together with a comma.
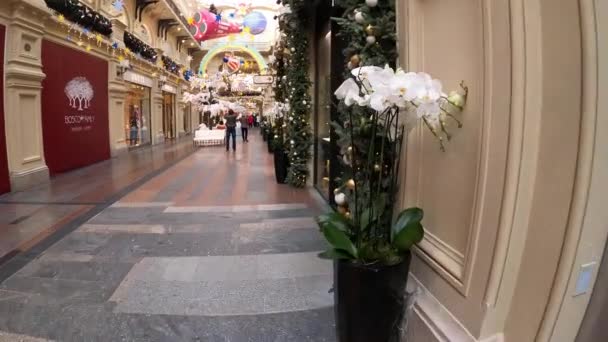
x: 180, y: 112
x: 158, y: 136
x: 117, y: 94
x: 23, y: 113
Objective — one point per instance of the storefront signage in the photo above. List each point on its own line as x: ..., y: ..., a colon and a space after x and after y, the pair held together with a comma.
x: 4, y: 175
x: 263, y: 79
x: 169, y: 89
x: 74, y: 108
x: 136, y: 78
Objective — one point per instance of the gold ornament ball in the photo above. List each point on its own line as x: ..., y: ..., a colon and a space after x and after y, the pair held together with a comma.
x: 336, y: 191
x: 355, y: 60
x: 370, y: 30
x: 377, y: 168
x: 342, y: 210
x: 347, y: 214
x: 350, y: 184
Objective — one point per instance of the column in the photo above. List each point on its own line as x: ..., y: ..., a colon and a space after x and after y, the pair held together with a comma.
x: 158, y: 136
x: 181, y: 106
x: 117, y: 94
x: 23, y: 114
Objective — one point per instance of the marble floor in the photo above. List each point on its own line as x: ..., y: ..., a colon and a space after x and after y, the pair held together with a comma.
x: 207, y: 249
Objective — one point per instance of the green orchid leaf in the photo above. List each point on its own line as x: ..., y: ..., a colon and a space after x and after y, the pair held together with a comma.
x: 407, y: 217
x: 337, y: 219
x: 365, y: 219
x: 408, y: 236
x: 334, y: 254
x: 338, y: 239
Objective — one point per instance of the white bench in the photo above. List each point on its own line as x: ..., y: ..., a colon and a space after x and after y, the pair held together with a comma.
x: 214, y: 137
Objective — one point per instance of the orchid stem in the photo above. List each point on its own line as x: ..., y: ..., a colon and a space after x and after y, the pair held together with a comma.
x: 434, y: 133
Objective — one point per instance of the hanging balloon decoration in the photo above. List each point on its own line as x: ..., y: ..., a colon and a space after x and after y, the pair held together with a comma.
x: 205, y: 25
x: 232, y: 63
x: 256, y: 22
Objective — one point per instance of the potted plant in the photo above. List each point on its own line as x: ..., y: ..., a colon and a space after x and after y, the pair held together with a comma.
x: 371, y: 245
x: 281, y: 159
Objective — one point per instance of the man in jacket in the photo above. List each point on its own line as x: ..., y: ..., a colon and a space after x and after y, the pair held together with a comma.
x: 230, y: 129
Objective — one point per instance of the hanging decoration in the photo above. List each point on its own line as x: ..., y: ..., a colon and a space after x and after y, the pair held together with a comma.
x: 138, y: 47
x: 81, y: 14
x: 118, y: 5
x: 204, y: 26
x: 170, y: 65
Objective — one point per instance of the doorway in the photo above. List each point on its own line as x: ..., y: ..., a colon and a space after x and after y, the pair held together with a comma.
x: 169, y: 124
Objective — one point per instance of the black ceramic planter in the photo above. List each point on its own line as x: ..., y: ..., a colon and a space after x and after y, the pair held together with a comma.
x: 370, y: 301
x: 281, y: 163
x: 270, y: 140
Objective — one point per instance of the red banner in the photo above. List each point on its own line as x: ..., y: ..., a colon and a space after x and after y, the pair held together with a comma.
x: 74, y: 108
x: 5, y: 185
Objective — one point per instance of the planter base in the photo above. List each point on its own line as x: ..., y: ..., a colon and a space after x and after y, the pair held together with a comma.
x: 370, y: 301
x: 281, y: 163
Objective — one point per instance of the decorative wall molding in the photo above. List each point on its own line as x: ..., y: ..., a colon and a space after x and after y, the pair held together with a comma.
x: 443, y: 254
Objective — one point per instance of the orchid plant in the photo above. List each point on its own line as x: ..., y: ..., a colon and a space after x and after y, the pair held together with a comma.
x: 382, y: 105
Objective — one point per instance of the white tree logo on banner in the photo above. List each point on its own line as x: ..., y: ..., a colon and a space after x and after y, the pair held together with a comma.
x: 80, y: 93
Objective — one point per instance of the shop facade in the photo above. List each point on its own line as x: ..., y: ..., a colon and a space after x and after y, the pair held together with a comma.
x: 74, y: 108
x: 68, y: 99
x: 137, y: 119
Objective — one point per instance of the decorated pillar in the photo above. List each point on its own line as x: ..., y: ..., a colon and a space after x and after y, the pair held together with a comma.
x: 24, y: 76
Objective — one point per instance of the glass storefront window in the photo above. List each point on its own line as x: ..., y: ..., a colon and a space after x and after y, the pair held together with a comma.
x: 322, y: 139
x: 137, y: 116
x: 323, y: 113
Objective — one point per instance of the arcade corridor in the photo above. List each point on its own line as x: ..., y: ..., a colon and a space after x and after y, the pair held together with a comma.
x: 205, y: 248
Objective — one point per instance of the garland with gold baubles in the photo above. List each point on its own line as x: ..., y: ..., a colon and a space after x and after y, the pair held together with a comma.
x: 368, y: 27
x: 294, y: 23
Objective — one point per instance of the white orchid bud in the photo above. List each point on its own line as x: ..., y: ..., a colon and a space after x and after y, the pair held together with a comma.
x: 456, y: 99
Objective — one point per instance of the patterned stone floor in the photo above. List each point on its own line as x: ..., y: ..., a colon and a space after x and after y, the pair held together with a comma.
x: 27, y: 217
x: 210, y: 249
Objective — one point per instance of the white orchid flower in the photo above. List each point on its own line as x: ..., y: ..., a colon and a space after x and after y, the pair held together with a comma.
x: 380, y: 99
x: 380, y: 78
x: 363, y: 73
x: 349, y: 92
x: 347, y: 87
x: 405, y: 87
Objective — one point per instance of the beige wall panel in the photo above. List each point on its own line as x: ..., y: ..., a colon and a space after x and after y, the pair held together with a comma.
x: 29, y: 142
x: 461, y: 189
x: 446, y: 181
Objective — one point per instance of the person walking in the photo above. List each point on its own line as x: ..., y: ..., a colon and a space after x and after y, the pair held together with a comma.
x: 230, y: 129
x: 244, y: 127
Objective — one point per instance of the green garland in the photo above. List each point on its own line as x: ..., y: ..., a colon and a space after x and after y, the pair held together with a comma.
x: 361, y: 50
x: 297, y: 85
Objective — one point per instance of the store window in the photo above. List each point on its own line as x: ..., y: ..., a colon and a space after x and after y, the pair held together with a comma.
x: 323, y: 114
x: 169, y: 115
x: 137, y: 116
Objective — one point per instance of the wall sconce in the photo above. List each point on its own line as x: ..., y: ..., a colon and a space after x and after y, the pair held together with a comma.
x: 122, y: 67
x: 162, y: 80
